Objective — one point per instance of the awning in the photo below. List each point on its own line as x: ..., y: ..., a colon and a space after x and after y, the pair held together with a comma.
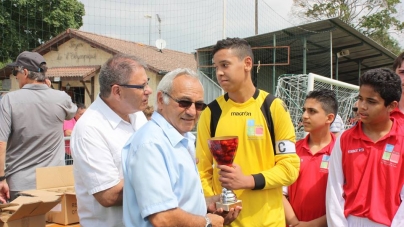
x: 73, y: 72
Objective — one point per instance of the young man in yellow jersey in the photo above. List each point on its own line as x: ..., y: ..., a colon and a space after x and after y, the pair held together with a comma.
x: 264, y: 161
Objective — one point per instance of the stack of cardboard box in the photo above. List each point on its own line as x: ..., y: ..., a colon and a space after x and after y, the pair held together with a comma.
x: 27, y: 211
x: 57, y: 181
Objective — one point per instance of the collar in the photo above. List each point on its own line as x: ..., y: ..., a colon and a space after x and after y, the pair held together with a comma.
x: 171, y: 133
x: 324, y: 150
x: 255, y: 95
x: 113, y: 118
x: 35, y: 86
x: 357, y: 131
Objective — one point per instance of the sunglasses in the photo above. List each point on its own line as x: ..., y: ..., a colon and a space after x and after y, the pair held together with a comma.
x: 199, y: 106
x: 354, y: 109
x: 15, y: 72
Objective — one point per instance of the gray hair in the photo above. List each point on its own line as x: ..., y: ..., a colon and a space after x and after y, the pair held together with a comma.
x: 117, y: 70
x: 37, y: 76
x: 166, y: 84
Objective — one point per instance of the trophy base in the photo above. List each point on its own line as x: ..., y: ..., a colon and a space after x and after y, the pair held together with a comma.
x: 228, y: 206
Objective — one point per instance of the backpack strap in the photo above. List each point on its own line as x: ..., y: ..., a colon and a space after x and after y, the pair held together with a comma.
x: 268, y: 118
x: 215, y: 112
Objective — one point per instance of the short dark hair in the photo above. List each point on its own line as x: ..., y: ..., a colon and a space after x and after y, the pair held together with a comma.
x: 81, y: 106
x: 241, y: 47
x: 399, y: 60
x: 118, y: 70
x: 383, y: 81
x: 326, y: 98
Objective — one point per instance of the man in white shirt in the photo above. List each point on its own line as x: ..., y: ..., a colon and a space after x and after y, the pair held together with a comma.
x: 99, y: 136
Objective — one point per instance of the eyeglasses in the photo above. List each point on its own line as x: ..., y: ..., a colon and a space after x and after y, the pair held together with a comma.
x: 137, y: 86
x: 354, y: 109
x: 15, y: 72
x: 186, y: 103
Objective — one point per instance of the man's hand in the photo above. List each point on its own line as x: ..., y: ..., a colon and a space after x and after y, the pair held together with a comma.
x: 233, y: 178
x: 4, y: 191
x: 215, y: 220
x: 229, y: 216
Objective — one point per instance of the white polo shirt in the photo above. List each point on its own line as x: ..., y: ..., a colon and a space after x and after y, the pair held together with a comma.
x: 96, y: 143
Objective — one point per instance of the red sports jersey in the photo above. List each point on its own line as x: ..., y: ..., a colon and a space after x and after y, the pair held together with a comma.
x: 397, y: 114
x: 374, y: 173
x: 307, y: 194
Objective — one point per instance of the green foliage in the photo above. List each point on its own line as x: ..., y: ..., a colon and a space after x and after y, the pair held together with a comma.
x: 26, y: 24
x: 374, y: 18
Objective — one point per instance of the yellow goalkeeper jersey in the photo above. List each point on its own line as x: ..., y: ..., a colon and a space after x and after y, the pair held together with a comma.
x: 271, y: 168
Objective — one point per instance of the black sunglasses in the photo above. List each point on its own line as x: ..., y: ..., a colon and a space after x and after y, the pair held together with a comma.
x: 15, y: 72
x: 186, y: 103
x: 354, y: 109
x: 137, y: 86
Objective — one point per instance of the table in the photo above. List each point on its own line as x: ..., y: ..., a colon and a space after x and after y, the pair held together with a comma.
x: 58, y: 225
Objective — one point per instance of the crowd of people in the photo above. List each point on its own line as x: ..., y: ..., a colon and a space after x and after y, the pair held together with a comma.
x: 139, y: 165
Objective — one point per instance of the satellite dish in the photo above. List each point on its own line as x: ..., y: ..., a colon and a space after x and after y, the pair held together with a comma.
x: 161, y: 44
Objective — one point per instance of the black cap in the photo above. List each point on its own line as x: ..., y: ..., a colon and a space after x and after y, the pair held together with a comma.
x: 29, y: 60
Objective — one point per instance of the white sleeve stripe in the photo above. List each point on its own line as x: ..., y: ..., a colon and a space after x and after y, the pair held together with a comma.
x: 285, y: 147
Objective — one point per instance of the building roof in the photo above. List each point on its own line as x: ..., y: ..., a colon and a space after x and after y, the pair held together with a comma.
x: 82, y: 72
x: 322, y: 37
x: 157, y: 61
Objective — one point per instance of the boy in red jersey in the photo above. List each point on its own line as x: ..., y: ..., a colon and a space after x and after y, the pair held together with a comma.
x: 306, y: 204
x: 398, y: 67
x: 366, y: 173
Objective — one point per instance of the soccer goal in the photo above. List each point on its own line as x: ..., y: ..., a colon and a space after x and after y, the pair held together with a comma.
x: 292, y: 89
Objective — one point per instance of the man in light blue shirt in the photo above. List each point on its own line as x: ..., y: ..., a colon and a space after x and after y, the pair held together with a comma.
x: 162, y: 185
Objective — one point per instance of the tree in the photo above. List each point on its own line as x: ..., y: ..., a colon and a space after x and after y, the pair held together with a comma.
x: 26, y: 24
x: 374, y: 18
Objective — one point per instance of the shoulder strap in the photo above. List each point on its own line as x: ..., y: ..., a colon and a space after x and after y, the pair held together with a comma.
x: 265, y: 108
x: 215, y: 112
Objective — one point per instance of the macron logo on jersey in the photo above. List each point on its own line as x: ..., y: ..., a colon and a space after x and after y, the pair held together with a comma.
x: 242, y: 113
x: 285, y: 147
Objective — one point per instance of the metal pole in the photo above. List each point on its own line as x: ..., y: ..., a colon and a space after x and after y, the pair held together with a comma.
x: 149, y: 29
x: 359, y: 68
x: 336, y: 66
x: 274, y: 67
x: 149, y: 17
x: 224, y: 19
x: 304, y: 54
x: 331, y: 57
x: 158, y: 18
x: 256, y: 17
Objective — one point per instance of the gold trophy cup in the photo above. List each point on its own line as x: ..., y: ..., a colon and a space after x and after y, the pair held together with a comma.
x: 224, y: 150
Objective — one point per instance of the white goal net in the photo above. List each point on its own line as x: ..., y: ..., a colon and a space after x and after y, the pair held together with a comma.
x: 292, y: 89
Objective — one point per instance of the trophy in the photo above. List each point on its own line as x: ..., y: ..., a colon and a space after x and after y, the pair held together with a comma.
x: 224, y: 150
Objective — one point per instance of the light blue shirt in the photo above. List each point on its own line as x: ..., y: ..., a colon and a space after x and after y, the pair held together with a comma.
x: 160, y: 173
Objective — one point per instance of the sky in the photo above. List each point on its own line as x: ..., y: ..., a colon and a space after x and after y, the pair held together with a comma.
x: 185, y: 24
x: 188, y: 24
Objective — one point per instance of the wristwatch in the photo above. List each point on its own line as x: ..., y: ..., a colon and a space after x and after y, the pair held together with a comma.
x: 2, y: 178
x: 208, y: 224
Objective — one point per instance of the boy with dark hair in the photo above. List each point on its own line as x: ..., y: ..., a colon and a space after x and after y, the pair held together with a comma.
x: 398, y: 67
x: 319, y: 111
x: 266, y: 159
x: 366, y: 173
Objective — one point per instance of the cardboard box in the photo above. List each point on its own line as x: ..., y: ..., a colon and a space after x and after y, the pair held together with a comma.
x: 27, y: 211
x: 58, y: 180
